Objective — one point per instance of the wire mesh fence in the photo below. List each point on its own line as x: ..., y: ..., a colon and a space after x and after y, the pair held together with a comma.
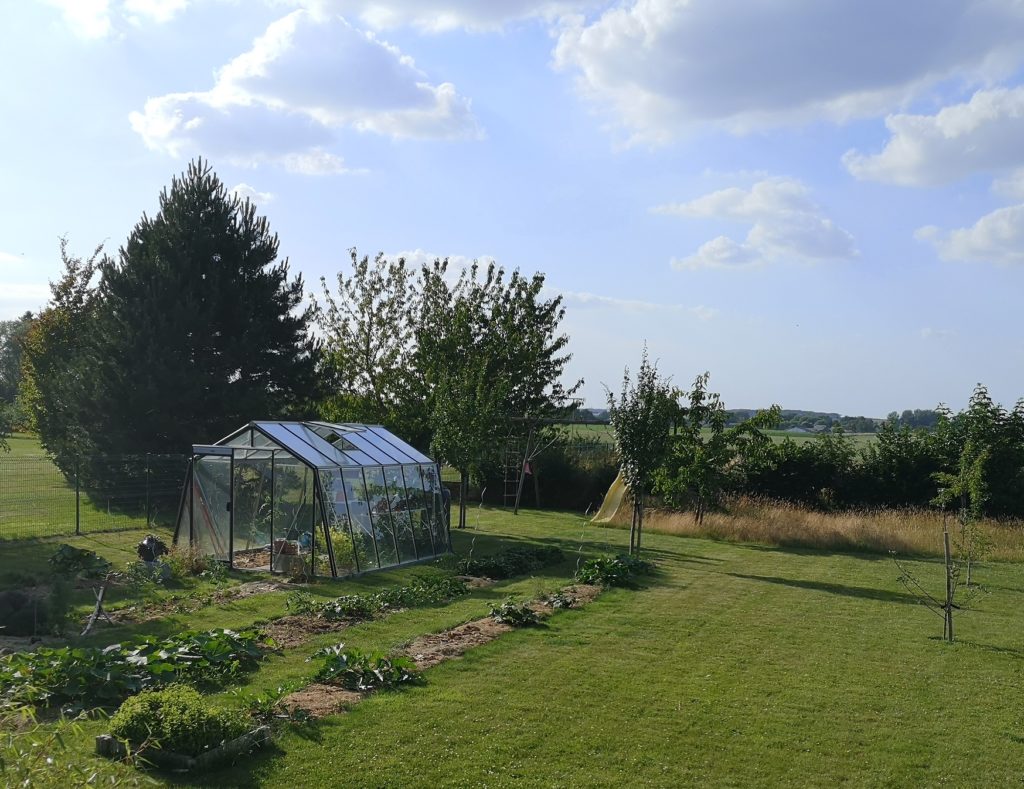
x: 108, y: 493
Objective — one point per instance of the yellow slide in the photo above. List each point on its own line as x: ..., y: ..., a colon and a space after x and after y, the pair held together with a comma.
x: 613, y: 501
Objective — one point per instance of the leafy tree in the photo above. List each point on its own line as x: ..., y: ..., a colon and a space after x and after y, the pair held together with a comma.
x: 705, y: 452
x: 491, y: 358
x: 369, y: 347
x: 12, y: 338
x: 641, y: 418
x: 58, y: 368
x: 451, y: 365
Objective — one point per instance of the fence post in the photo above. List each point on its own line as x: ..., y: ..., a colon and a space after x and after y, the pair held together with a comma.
x: 78, y: 500
x: 148, y: 509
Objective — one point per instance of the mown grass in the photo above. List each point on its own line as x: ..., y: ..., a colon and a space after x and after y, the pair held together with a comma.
x: 37, y: 500
x: 736, y: 665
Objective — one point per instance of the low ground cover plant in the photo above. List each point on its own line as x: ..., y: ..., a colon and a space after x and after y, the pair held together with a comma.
x: 506, y: 564
x: 560, y: 600
x: 515, y: 614
x: 355, y: 670
x: 33, y: 753
x: 424, y: 589
x: 87, y: 677
x: 621, y: 570
x: 176, y: 718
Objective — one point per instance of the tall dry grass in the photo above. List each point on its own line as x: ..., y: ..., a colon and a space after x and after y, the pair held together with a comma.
x: 910, y: 532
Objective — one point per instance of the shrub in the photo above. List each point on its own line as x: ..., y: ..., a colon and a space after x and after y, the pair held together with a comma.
x: 70, y: 562
x: 37, y: 754
x: 620, y: 570
x: 93, y: 677
x: 301, y: 603
x: 187, y: 561
x: 178, y: 719
x: 560, y: 600
x: 515, y: 614
x: 21, y: 614
x: 359, y: 671
x: 509, y: 563
x: 349, y: 606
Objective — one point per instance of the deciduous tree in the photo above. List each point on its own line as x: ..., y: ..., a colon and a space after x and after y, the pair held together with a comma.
x: 641, y: 418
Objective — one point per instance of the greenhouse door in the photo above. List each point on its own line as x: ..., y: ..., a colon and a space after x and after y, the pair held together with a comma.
x: 211, y: 501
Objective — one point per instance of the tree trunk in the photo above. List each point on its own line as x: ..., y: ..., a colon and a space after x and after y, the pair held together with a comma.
x: 639, y: 523
x: 463, y: 494
x: 632, y: 531
x: 950, y: 587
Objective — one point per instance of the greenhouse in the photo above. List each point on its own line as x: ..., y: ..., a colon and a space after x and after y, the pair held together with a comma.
x: 313, y: 498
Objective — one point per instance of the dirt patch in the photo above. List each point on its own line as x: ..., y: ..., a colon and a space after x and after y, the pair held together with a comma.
x: 249, y: 589
x: 584, y: 593
x: 296, y: 630
x: 436, y: 648
x: 321, y: 700
x: 473, y: 582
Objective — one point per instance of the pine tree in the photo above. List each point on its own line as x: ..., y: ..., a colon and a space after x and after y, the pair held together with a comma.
x: 198, y: 327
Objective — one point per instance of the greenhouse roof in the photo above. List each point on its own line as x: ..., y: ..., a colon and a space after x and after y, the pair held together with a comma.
x: 328, y: 445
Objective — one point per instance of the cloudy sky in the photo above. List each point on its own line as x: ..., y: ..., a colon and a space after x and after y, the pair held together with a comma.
x: 819, y: 201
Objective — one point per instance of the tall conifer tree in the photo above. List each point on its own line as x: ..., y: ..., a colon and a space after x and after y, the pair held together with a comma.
x: 198, y: 327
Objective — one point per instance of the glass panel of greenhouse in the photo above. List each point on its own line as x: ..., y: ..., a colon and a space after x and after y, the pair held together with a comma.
x: 313, y: 498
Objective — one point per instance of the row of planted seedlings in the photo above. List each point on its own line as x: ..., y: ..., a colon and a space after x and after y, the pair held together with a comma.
x: 164, y: 717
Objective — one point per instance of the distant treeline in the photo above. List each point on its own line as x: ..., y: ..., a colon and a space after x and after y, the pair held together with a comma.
x: 810, y: 421
x: 979, y: 449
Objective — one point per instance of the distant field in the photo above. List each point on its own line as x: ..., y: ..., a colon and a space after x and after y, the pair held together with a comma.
x: 603, y: 433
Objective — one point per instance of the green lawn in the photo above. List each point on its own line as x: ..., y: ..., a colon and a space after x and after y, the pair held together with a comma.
x: 36, y: 500
x: 734, y: 666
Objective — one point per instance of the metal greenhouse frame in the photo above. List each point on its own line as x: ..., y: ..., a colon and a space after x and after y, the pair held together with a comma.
x: 313, y: 498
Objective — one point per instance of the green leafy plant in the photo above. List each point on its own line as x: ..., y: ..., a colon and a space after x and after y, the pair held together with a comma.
x: 350, y: 606
x: 515, y: 614
x: 302, y: 603
x: 619, y: 570
x: 510, y: 563
x: 92, y: 677
x: 355, y: 670
x: 176, y: 718
x: 560, y: 600
x: 71, y: 562
x: 36, y: 754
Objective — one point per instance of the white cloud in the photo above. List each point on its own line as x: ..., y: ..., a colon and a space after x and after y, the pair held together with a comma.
x: 980, y: 135
x: 95, y: 19
x: 17, y: 297
x: 138, y: 11
x: 584, y: 299
x: 245, y: 192
x: 997, y: 237
x: 87, y: 18
x: 785, y: 225
x: 1010, y: 186
x: 929, y: 333
x: 662, y: 66
x: 437, y: 16
x: 305, y: 79
x: 10, y: 258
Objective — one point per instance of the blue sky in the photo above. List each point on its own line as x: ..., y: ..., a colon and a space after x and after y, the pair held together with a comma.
x: 821, y: 202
